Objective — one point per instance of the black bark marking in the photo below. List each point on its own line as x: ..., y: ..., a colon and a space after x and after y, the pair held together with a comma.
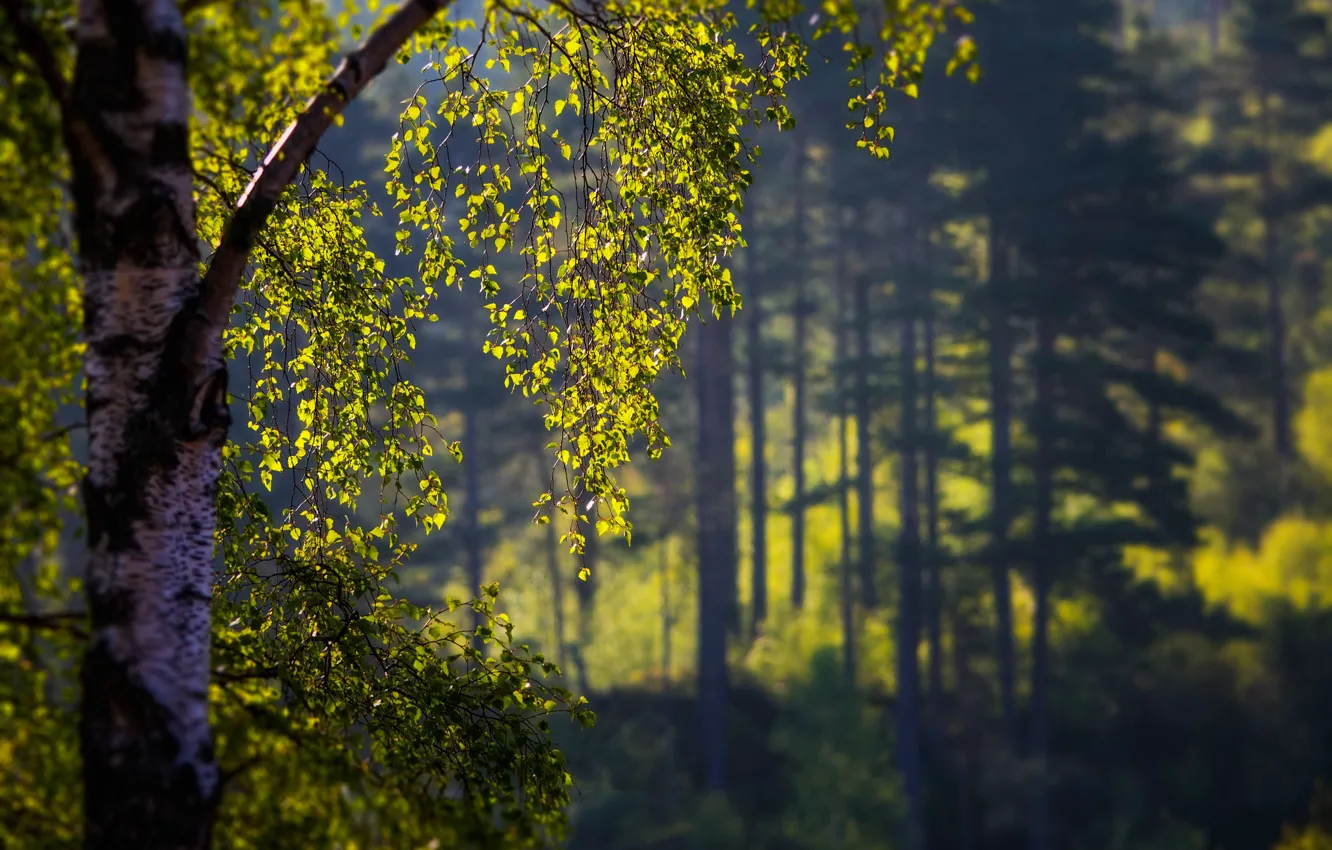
x: 104, y: 507
x: 165, y: 45
x: 106, y: 78
x: 150, y: 233
x: 119, y: 346
x: 170, y: 145
x: 113, y: 608
x: 153, y: 434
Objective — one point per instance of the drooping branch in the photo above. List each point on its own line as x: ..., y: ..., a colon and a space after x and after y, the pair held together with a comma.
x: 280, y: 166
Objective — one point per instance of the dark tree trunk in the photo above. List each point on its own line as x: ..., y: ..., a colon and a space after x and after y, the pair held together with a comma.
x: 472, y: 543
x: 1001, y: 473
x: 667, y: 615
x: 799, y: 310
x: 585, y: 589
x: 758, y: 495
x: 966, y: 759
x: 553, y: 571
x: 847, y: 595
x: 909, y: 596
x: 864, y: 447
x: 1276, y: 318
x: 933, y: 556
x: 1039, y: 834
x: 715, y: 495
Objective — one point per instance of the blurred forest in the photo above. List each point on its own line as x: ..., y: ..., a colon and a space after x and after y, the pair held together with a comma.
x: 1001, y: 515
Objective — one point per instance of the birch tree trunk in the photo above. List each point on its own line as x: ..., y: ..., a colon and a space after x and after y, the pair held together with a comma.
x: 157, y: 418
x: 156, y: 404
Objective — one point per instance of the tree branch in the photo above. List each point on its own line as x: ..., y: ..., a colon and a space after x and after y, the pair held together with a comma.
x: 61, y: 621
x: 279, y: 168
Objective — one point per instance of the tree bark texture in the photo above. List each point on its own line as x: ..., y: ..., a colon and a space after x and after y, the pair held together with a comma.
x: 157, y: 418
x: 156, y: 405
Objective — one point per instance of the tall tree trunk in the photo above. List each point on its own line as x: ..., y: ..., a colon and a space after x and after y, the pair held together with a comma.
x: 1001, y: 473
x: 1276, y: 319
x: 758, y: 494
x: 553, y: 571
x: 799, y: 309
x: 965, y: 769
x: 908, y: 572
x: 157, y: 419
x: 847, y: 595
x: 667, y: 616
x: 934, y: 557
x: 1039, y: 832
x: 864, y: 448
x: 715, y: 507
x: 586, y: 591
x: 472, y: 486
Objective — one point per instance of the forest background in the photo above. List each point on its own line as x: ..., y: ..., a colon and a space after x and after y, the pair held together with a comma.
x: 1047, y: 392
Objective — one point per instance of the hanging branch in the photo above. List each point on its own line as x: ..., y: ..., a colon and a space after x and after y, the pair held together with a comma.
x: 280, y: 166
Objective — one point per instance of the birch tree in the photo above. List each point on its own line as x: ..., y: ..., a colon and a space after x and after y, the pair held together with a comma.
x: 580, y: 166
